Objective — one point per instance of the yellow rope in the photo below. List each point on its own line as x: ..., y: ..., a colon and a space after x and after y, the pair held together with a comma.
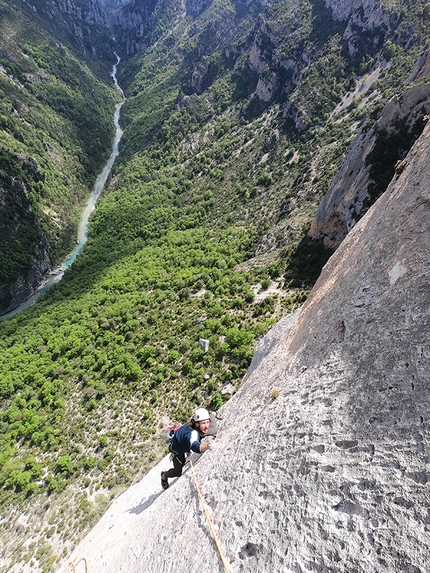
x: 211, y: 527
x: 72, y: 566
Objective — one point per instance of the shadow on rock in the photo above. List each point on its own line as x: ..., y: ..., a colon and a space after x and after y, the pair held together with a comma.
x: 138, y: 509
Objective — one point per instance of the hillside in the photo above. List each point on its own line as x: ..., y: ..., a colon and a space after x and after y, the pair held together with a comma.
x: 56, y: 127
x: 321, y: 462
x: 256, y: 137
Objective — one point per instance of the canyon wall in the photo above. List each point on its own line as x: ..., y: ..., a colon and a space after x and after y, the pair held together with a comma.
x: 376, y: 155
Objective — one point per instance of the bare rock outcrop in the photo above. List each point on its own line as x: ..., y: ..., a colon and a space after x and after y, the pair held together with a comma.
x: 322, y: 461
x: 134, y: 25
x: 371, y: 161
x: 80, y: 22
x: 280, y: 71
x: 344, y: 9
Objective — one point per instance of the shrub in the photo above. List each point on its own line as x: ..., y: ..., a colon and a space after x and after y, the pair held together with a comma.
x: 174, y: 356
x: 187, y: 367
x: 103, y: 442
x: 217, y: 401
x: 89, y: 463
x: 249, y: 297
x: 53, y: 484
x: 236, y: 338
x: 389, y: 50
x: 265, y: 180
x: 64, y: 465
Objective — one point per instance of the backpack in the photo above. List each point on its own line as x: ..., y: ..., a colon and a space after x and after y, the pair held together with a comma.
x: 171, y: 432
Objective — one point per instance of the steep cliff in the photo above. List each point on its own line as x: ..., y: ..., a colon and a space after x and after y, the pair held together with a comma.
x: 283, y: 55
x: 134, y: 26
x: 19, y: 226
x: 82, y: 23
x: 376, y: 155
x: 322, y: 459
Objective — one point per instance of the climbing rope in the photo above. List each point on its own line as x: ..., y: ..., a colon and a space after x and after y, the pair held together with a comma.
x: 72, y: 566
x: 211, y: 527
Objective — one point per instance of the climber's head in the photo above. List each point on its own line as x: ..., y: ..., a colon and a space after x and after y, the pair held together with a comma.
x: 202, y: 420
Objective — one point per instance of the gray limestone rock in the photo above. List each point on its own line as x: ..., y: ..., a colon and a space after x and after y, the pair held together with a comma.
x: 204, y: 344
x: 350, y: 192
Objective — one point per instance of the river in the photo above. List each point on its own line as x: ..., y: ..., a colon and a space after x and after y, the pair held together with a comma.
x: 58, y: 273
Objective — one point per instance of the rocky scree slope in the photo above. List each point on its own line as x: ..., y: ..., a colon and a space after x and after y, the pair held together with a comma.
x: 322, y: 459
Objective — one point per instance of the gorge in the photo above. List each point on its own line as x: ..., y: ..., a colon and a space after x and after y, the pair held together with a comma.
x: 57, y: 275
x: 260, y: 248
x: 321, y: 461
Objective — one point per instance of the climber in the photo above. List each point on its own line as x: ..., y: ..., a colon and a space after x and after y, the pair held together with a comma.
x: 186, y: 440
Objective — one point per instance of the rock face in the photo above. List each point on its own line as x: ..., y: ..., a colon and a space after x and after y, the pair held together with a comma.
x: 360, y: 179
x: 281, y: 61
x: 322, y: 460
x: 362, y: 16
x: 112, y: 3
x: 134, y: 25
x: 81, y: 21
x: 19, y: 223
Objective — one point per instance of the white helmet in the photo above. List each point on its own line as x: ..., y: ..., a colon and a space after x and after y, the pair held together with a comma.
x: 201, y: 414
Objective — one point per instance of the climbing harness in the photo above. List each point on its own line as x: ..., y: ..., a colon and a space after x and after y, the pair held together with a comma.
x: 211, y: 527
x: 72, y: 566
x: 176, y: 456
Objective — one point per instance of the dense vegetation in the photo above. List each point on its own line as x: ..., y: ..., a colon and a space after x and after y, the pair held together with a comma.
x: 56, y: 128
x: 201, y: 235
